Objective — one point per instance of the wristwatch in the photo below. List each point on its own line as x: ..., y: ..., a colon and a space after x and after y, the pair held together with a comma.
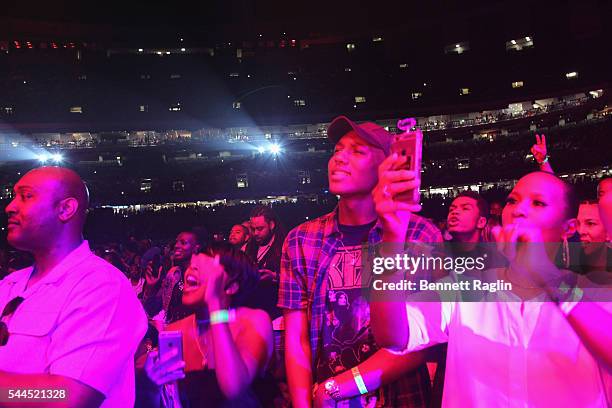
x: 332, y: 389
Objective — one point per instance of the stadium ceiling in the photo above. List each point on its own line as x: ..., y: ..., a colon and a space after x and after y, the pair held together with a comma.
x: 266, y: 17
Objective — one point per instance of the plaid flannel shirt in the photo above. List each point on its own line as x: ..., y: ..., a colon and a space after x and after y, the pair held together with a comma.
x: 307, y: 253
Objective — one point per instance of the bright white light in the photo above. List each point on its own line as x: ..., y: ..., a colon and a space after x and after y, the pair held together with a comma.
x: 527, y: 38
x: 572, y: 74
x: 513, y: 42
x: 261, y: 149
x: 275, y: 149
x: 140, y: 50
x: 42, y: 158
x: 57, y: 157
x: 458, y: 45
x: 182, y: 49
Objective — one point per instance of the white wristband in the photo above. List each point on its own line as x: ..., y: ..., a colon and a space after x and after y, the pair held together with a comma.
x: 572, y: 301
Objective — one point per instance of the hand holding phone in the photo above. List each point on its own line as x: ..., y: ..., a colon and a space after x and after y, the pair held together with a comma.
x: 166, y: 365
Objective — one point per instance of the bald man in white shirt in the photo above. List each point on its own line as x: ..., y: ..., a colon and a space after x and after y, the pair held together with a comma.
x: 71, y: 323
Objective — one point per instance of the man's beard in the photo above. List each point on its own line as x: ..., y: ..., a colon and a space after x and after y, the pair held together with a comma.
x: 265, y: 241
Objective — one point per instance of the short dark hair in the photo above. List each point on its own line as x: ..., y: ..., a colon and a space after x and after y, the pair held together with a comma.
x: 201, y: 235
x: 239, y: 267
x: 483, y: 205
x: 265, y: 211
x: 245, y: 229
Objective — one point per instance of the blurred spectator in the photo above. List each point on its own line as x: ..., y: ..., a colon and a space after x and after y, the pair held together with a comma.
x: 239, y: 236
x: 595, y: 255
x: 604, y: 186
x: 265, y: 248
x: 187, y: 244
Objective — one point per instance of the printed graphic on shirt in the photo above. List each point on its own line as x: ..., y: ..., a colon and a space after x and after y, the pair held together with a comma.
x: 346, y: 334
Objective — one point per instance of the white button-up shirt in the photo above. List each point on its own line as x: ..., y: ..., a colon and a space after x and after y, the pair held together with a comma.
x: 82, y: 320
x: 509, y: 353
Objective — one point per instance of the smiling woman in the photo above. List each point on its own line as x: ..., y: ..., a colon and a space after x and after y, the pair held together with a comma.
x: 561, y: 346
x: 218, y: 331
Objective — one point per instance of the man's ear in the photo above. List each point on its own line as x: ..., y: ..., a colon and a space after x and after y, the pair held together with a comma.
x: 68, y: 207
x: 481, y: 223
x: 272, y: 225
x: 569, y: 228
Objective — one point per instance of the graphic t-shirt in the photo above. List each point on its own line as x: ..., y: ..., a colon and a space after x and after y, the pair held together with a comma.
x: 347, y: 339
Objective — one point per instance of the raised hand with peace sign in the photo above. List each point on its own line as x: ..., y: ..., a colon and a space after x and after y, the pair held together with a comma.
x: 540, y: 154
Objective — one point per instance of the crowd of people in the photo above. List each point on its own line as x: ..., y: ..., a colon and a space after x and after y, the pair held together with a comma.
x: 276, y: 319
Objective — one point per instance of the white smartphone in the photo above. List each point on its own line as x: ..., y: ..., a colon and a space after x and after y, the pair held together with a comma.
x: 171, y: 340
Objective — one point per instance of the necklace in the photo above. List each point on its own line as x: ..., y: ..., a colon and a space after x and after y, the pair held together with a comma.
x: 204, y: 337
x: 347, y: 252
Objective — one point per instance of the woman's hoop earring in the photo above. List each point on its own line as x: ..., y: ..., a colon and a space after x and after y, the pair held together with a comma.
x: 565, y: 254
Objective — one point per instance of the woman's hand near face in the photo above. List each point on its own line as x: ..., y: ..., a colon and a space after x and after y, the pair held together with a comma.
x: 212, y: 274
x: 522, y: 245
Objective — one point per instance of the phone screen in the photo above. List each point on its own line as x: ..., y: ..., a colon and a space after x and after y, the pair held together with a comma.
x: 171, y: 340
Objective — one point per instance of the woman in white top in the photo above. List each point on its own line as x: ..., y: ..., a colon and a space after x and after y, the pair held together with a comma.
x: 532, y: 346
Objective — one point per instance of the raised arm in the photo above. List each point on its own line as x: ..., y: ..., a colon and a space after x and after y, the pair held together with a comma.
x: 540, y: 154
x: 394, y: 216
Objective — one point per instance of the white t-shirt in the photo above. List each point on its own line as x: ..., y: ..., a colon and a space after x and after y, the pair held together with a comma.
x: 82, y: 321
x: 509, y: 353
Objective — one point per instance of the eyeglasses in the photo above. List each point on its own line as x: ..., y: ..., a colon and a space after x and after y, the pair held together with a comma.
x: 9, y: 309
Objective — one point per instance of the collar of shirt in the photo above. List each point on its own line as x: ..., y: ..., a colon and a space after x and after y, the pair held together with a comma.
x: 263, y: 250
x: 331, y: 228
x: 78, y: 255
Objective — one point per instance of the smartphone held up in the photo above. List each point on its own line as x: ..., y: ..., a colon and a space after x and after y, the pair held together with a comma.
x: 409, y: 145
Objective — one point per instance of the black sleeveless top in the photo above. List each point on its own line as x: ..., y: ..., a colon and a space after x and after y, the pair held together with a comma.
x: 201, y: 389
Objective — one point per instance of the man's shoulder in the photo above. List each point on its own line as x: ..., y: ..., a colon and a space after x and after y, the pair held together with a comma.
x: 17, y: 276
x: 248, y: 315
x: 100, y: 286
x: 312, y: 226
x: 95, y: 272
x: 423, y: 230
